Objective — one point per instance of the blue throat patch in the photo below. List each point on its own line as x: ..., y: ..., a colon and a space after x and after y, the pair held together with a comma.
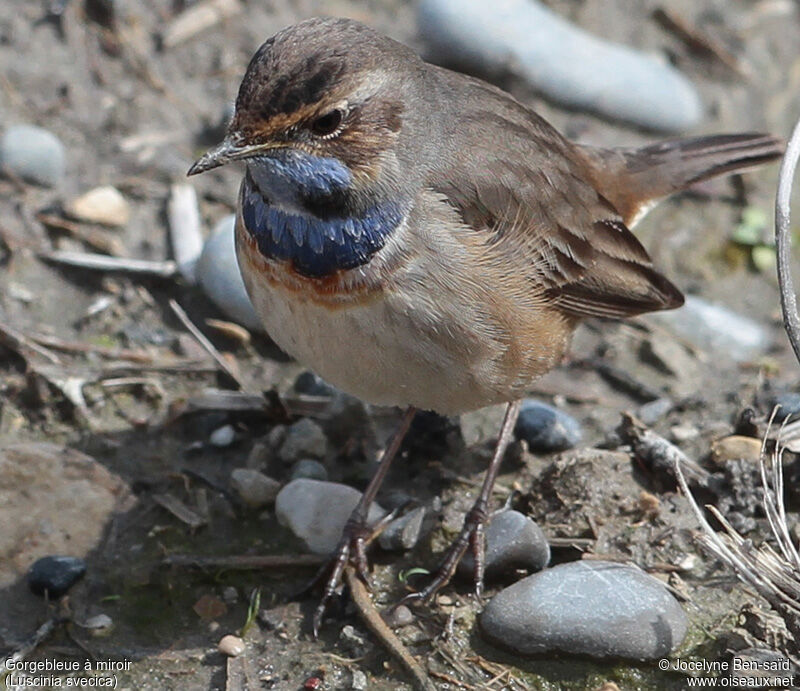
x: 315, y: 246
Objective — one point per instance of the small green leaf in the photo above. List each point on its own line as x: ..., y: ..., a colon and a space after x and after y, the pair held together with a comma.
x: 252, y: 611
x: 405, y: 574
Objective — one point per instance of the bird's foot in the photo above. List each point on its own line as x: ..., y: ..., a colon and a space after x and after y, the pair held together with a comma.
x: 471, y: 536
x: 352, y: 549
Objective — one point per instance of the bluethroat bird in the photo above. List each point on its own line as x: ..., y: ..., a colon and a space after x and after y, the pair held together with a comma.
x: 419, y: 238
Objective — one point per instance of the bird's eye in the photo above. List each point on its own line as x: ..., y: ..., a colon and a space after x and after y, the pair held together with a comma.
x: 326, y: 125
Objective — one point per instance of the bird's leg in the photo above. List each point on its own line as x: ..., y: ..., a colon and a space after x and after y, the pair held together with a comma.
x: 356, y: 533
x: 472, y: 533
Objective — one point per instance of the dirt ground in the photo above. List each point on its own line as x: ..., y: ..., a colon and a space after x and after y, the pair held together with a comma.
x: 133, y: 112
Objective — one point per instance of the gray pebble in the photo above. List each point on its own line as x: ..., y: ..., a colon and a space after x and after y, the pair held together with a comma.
x: 230, y: 595
x: 358, y: 681
x: 513, y: 541
x: 546, y: 428
x: 353, y: 641
x: 308, y: 468
x: 652, y: 411
x: 217, y: 272
x: 222, y: 436
x: 304, y: 438
x: 54, y: 575
x: 276, y: 436
x: 602, y: 609
x: 312, y: 385
x: 564, y: 62
x: 254, y: 488
x: 402, y: 533
x: 99, y: 625
x: 397, y: 617
x: 789, y: 403
x: 316, y: 511
x: 716, y: 329
x: 34, y: 154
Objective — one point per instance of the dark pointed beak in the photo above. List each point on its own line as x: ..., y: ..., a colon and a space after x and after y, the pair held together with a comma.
x: 221, y: 154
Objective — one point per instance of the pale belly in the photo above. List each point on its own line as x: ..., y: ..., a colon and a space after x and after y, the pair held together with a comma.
x: 415, y: 343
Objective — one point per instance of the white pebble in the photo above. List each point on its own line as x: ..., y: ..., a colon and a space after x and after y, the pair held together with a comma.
x: 232, y: 646
x: 223, y: 436
x: 104, y: 205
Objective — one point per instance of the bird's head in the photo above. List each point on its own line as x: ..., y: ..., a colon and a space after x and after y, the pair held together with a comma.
x: 320, y: 117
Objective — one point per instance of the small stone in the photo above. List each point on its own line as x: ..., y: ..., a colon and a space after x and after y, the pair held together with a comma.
x: 716, y: 329
x: 559, y: 59
x: 217, y: 272
x: 232, y: 646
x: 652, y: 411
x: 259, y: 455
x: 546, y: 428
x: 667, y: 355
x: 276, y: 436
x: 210, y: 607
x: 354, y: 641
x: 789, y: 403
x: 230, y: 595
x: 310, y: 384
x: 402, y: 533
x: 304, y: 438
x: 308, y: 468
x: 397, y: 617
x: 104, y: 205
x: 53, y: 576
x: 33, y: 154
x: 596, y: 608
x: 99, y: 625
x: 254, y: 488
x: 649, y: 504
x: 684, y: 432
x: 513, y: 541
x: 316, y: 512
x: 735, y: 447
x: 222, y: 436
x: 358, y: 680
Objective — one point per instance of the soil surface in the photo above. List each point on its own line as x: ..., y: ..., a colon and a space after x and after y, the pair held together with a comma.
x: 103, y: 367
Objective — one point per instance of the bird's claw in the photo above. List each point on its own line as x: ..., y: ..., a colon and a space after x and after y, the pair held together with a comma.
x: 352, y: 548
x: 472, y: 536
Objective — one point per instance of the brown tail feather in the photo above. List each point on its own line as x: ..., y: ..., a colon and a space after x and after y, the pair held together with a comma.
x: 646, y: 175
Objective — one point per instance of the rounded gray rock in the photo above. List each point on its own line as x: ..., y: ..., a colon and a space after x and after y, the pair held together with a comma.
x: 717, y: 329
x: 305, y: 438
x: 602, y: 609
x: 564, y: 62
x: 254, y: 488
x: 308, y: 468
x: 217, y: 272
x: 34, y: 154
x: 316, y: 512
x: 403, y: 532
x: 545, y: 428
x: 513, y: 541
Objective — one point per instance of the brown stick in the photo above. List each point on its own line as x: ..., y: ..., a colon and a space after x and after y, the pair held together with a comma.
x: 387, y: 637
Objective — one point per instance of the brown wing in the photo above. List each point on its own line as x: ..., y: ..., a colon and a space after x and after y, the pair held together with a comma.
x: 513, y: 175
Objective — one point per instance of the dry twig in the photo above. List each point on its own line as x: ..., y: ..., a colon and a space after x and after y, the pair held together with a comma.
x: 776, y: 577
x: 207, y: 345
x: 387, y: 637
